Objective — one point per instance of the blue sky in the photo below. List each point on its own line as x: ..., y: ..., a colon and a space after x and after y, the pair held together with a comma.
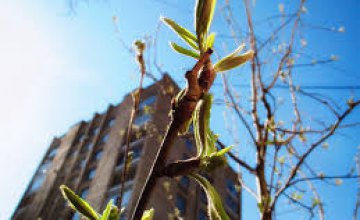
x: 58, y: 68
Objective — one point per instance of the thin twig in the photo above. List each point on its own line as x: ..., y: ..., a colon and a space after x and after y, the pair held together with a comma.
x: 136, y: 99
x: 312, y: 148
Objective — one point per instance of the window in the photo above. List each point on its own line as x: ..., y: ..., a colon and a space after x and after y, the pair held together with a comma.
x: 110, y: 122
x: 82, y: 163
x: 87, y: 146
x: 141, y: 119
x: 231, y: 188
x: 84, y: 193
x: 185, y: 181
x: 37, y: 183
x: 137, y: 133
x: 45, y: 167
x: 149, y: 101
x: 94, y: 131
x: 73, y: 152
x: 137, y: 150
x: 120, y: 160
x: 91, y: 174
x: 118, y: 177
x: 53, y: 152
x: 181, y: 204
x: 105, y: 138
x: 80, y: 138
x: 232, y: 204
x: 98, y: 154
x: 126, y: 197
x: 202, y: 215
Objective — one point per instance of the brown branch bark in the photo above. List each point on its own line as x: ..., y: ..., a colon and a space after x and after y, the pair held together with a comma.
x: 197, y: 85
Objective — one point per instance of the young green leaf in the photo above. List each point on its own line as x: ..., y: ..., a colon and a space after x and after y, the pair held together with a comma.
x: 204, y: 137
x: 231, y: 62
x: 215, y: 207
x: 203, y: 16
x: 148, y: 214
x: 184, y: 51
x: 115, y: 213
x: 201, y: 120
x: 214, y: 160
x: 222, y: 152
x: 106, y: 213
x: 182, y: 32
x: 78, y: 203
x: 197, y: 130
x: 210, y: 40
x: 236, y: 51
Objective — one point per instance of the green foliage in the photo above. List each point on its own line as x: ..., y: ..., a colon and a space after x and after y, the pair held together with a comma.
x: 210, y: 157
x: 79, y: 204
x: 148, y: 214
x: 106, y: 213
x: 205, y: 139
x: 210, y: 40
x: 265, y: 201
x: 203, y: 16
x: 233, y: 60
x: 296, y: 196
x: 204, y: 13
x: 184, y: 51
x: 182, y: 32
x: 111, y: 212
x: 216, y: 210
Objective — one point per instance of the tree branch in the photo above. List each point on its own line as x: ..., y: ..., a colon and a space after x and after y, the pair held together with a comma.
x: 197, y: 85
x: 293, y: 172
x: 237, y: 160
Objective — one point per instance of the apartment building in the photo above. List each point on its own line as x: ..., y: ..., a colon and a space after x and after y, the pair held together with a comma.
x: 89, y: 159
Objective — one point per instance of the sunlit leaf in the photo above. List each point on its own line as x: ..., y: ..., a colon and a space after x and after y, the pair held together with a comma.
x: 222, y: 152
x: 325, y: 145
x: 215, y: 207
x: 182, y: 32
x: 281, y: 160
x: 236, y: 51
x: 148, y: 214
x: 115, y: 213
x: 106, y: 213
x: 231, y: 62
x: 315, y: 202
x: 78, y: 203
x: 296, y: 196
x: 184, y: 51
x: 214, y: 160
x: 210, y: 40
x: 201, y: 119
x: 204, y: 13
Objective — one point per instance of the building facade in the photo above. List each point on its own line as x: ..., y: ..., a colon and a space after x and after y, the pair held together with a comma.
x: 89, y: 159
